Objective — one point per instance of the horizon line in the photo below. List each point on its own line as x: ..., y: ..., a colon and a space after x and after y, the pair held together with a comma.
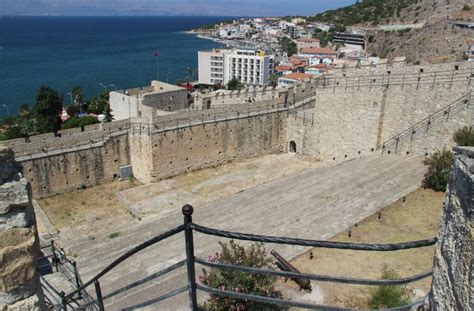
x: 151, y: 15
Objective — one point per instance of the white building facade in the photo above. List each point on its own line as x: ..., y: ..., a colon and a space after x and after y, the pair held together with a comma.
x: 251, y: 67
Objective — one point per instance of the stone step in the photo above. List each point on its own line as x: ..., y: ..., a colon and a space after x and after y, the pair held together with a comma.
x: 316, y: 204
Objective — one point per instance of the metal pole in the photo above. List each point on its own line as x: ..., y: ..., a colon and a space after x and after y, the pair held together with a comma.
x: 78, y: 284
x: 55, y: 257
x: 187, y: 211
x: 100, y: 300
x: 63, y: 301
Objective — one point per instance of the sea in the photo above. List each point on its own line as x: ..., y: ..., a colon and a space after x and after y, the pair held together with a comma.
x: 95, y: 53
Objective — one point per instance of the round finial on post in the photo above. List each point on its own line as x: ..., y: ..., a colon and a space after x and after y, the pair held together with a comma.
x: 187, y: 210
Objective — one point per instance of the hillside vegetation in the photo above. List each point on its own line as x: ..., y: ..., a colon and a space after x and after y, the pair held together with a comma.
x: 436, y: 40
x: 375, y: 12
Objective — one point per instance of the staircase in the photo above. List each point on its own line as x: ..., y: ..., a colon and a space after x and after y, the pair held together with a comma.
x: 423, y: 126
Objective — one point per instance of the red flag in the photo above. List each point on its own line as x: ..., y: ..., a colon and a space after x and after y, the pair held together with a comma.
x: 156, y: 53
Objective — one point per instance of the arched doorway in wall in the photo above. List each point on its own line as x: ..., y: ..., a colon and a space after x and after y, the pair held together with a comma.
x: 292, y: 146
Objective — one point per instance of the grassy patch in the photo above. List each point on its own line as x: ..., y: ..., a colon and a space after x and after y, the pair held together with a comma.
x: 114, y: 235
x: 415, y: 217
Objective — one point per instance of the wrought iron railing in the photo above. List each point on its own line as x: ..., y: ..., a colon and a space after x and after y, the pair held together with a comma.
x: 424, y: 125
x: 192, y: 287
x: 388, y: 79
x: 54, y: 260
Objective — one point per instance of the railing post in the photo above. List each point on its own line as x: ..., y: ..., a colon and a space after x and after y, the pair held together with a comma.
x: 188, y: 235
x: 98, y: 292
x: 63, y: 301
x: 55, y: 257
x: 76, y: 275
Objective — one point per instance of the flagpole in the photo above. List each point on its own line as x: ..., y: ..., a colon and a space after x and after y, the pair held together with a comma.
x: 157, y: 54
x: 157, y: 69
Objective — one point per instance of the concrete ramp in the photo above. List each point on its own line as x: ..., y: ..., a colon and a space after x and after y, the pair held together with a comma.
x: 316, y: 204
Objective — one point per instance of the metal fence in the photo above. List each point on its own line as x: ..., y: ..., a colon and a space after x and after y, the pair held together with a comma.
x: 192, y: 287
x: 54, y: 260
x: 423, y: 126
x: 449, y: 78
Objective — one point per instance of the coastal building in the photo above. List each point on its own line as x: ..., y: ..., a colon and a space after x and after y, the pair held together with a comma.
x: 148, y: 102
x: 318, y: 52
x: 303, y: 43
x: 284, y: 70
x: 249, y: 66
x: 293, y: 78
x: 298, y: 20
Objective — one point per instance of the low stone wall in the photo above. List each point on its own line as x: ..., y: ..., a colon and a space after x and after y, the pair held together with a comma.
x: 19, y: 243
x: 453, y: 271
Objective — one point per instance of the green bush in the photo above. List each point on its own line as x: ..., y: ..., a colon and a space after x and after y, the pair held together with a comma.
x: 79, y: 122
x: 464, y: 136
x: 72, y: 110
x: 466, y: 7
x: 263, y: 285
x: 389, y: 296
x: 439, y: 169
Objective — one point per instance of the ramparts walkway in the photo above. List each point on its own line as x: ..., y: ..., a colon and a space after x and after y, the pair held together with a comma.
x: 315, y: 204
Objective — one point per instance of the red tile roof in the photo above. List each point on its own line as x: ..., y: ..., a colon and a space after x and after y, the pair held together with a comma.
x: 297, y: 76
x: 283, y: 68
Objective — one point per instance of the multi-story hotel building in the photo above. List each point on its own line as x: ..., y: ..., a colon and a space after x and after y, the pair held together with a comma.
x: 251, y: 67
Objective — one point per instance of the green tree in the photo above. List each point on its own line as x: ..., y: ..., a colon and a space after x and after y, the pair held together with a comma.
x: 273, y: 80
x: 389, y: 296
x: 439, y: 169
x: 234, y: 84
x: 77, y: 94
x: 108, y: 114
x: 288, y: 46
x: 79, y: 122
x: 47, y: 110
x: 72, y: 110
x: 464, y: 136
x: 253, y: 256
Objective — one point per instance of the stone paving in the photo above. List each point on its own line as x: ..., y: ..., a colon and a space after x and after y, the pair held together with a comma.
x: 315, y: 204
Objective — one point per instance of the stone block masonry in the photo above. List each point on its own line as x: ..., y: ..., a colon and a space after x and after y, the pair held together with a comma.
x: 352, y: 115
x: 356, y: 120
x: 453, y: 271
x: 19, y: 243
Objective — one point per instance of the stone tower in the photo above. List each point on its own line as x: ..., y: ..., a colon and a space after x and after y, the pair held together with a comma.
x: 19, y: 243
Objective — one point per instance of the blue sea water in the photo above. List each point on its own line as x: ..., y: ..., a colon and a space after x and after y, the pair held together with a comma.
x: 62, y: 52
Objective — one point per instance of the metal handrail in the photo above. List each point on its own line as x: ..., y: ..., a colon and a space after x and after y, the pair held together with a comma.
x: 188, y: 227
x: 125, y: 256
x: 424, y: 123
x: 314, y: 243
x: 315, y: 277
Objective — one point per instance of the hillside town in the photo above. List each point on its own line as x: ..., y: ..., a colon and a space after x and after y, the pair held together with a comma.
x: 281, y: 51
x: 289, y: 51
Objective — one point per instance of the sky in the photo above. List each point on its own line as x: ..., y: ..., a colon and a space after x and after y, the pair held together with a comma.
x: 169, y: 7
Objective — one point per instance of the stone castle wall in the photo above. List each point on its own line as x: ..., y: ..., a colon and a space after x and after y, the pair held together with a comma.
x: 356, y: 120
x: 351, y: 117
x: 188, y: 149
x: 70, y: 169
x: 19, y: 243
x: 453, y: 270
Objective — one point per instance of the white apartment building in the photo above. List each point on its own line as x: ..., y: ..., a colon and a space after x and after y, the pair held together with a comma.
x: 251, y: 67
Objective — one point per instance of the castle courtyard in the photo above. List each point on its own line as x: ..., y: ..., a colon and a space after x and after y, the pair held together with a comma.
x: 289, y: 197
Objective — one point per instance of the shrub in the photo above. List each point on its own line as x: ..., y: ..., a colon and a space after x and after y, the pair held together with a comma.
x: 466, y: 7
x: 439, y: 168
x: 389, y: 296
x: 72, y: 110
x: 79, y: 121
x: 263, y: 285
x: 464, y: 136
